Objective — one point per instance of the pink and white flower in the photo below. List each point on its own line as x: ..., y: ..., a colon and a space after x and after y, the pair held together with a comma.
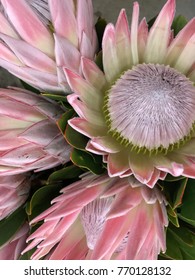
x: 35, y: 49
x: 29, y: 136
x: 14, y: 191
x: 139, y: 113
x: 102, y: 218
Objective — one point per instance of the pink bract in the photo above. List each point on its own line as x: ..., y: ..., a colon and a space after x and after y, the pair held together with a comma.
x: 14, y: 191
x: 139, y: 111
x: 102, y: 218
x: 29, y: 136
x: 38, y: 40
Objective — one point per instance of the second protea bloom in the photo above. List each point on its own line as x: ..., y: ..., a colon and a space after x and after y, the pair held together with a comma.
x: 102, y: 218
x: 140, y: 112
x: 29, y: 136
x: 14, y: 190
x: 39, y: 37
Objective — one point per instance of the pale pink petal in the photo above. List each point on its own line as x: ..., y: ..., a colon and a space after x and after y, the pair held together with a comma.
x: 73, y: 236
x: 8, y: 55
x: 91, y: 96
x: 63, y: 19
x: 186, y: 59
x: 67, y: 55
x: 28, y: 25
x: 141, y: 167
x: 86, y: 48
x: 84, y: 127
x: 117, y: 163
x: 5, y: 27
x: 142, y: 39
x: 180, y: 42
x: 123, y: 43
x: 106, y: 144
x: 24, y: 51
x: 159, y: 35
x: 92, y: 73
x: 85, y: 18
x: 134, y: 33
x: 94, y: 150
x: 110, y: 59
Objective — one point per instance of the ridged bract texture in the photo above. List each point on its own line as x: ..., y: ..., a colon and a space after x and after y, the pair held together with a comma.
x: 29, y: 136
x: 14, y: 191
x: 39, y: 38
x: 102, y: 218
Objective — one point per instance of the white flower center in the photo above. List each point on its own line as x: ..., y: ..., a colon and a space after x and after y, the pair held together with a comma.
x: 151, y: 107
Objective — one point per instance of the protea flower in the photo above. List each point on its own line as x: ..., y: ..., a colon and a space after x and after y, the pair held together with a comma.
x: 12, y: 249
x: 140, y: 112
x: 14, y: 191
x: 29, y: 136
x: 102, y: 218
x: 35, y: 49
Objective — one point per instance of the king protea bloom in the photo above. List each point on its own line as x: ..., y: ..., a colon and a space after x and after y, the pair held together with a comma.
x: 102, y: 218
x: 29, y: 136
x: 14, y: 190
x: 35, y: 49
x: 139, y: 113
x: 13, y: 248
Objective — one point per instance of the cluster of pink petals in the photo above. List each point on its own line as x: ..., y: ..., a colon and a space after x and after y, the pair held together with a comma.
x: 35, y: 50
x: 102, y: 218
x: 13, y: 248
x: 14, y: 191
x: 123, y: 48
x: 29, y: 136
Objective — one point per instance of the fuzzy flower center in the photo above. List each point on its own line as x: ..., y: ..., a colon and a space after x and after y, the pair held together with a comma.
x: 151, y: 107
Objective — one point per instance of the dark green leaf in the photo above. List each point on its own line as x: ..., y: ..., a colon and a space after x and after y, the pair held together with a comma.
x: 180, y: 243
x: 62, y: 122
x: 88, y: 161
x: 178, y: 24
x: 41, y: 199
x: 69, y: 172
x: 179, y: 193
x: 187, y: 210
x: 10, y: 225
x: 56, y: 97
x: 75, y: 139
x: 172, y: 216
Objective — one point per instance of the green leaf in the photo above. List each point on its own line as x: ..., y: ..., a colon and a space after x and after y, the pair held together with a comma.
x: 56, y: 97
x: 62, y: 122
x: 86, y: 160
x: 180, y: 243
x: 172, y: 216
x: 10, y: 225
x: 69, y: 172
x: 75, y: 139
x: 170, y: 178
x: 187, y: 209
x: 179, y: 193
x: 41, y: 199
x: 178, y: 24
x: 174, y: 191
